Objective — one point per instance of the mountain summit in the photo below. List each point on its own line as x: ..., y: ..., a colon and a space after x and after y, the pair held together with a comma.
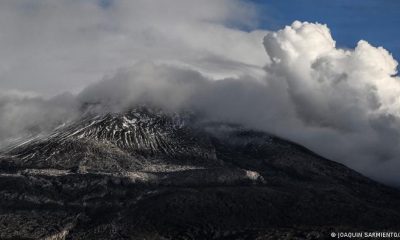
x: 153, y: 174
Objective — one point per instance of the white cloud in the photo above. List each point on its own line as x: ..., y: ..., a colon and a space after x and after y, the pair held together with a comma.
x: 347, y: 102
x: 341, y: 103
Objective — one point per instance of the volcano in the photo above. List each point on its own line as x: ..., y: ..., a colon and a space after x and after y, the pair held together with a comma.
x: 148, y: 173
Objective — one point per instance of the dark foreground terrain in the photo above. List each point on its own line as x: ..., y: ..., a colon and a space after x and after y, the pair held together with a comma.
x: 148, y: 174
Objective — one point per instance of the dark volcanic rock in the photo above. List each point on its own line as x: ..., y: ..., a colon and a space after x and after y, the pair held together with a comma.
x: 148, y: 174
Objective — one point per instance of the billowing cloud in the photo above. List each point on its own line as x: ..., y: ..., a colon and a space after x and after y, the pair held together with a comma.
x: 341, y: 103
x: 347, y: 101
x: 295, y: 82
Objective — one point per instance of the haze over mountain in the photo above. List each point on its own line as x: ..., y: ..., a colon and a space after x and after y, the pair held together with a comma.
x: 294, y: 82
x: 340, y: 103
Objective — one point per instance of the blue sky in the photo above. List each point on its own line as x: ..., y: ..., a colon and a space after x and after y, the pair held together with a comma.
x: 376, y: 21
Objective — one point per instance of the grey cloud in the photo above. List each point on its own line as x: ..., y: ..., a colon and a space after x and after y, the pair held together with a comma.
x: 341, y: 103
x: 54, y: 46
x: 25, y: 115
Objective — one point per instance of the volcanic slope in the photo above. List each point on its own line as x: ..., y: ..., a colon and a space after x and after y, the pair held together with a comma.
x: 151, y: 174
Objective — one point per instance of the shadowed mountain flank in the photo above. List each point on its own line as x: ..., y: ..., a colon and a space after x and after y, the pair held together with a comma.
x: 152, y: 174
